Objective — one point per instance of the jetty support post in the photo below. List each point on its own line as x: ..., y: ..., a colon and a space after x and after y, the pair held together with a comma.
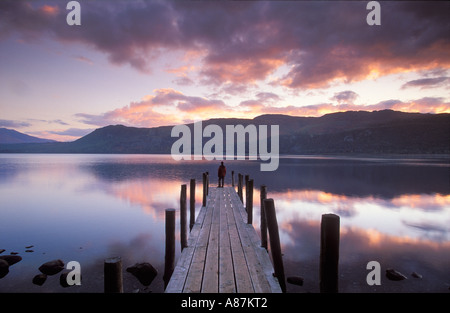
x: 183, y: 217
x: 240, y: 187
x: 329, y: 253
x: 263, y: 196
x: 169, y: 258
x: 249, y: 201
x: 275, y: 245
x: 247, y: 177
x: 113, y: 282
x: 205, y: 189
x: 192, y: 203
x: 207, y: 183
x: 232, y: 178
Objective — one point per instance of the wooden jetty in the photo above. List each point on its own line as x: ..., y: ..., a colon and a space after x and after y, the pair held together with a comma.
x: 223, y: 252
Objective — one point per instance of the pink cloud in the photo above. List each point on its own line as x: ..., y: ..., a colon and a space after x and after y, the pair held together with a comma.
x: 322, y: 43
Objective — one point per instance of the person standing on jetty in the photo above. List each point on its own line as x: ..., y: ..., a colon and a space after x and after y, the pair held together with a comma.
x: 221, y: 173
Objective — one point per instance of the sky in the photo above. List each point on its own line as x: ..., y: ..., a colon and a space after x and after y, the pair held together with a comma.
x: 150, y: 63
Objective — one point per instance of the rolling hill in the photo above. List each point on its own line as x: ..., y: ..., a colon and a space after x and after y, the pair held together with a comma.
x: 378, y: 132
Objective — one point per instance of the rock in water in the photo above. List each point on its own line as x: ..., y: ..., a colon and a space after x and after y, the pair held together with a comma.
x: 295, y: 280
x: 52, y: 267
x: 63, y: 280
x: 394, y: 275
x: 144, y: 272
x: 39, y: 279
x: 416, y: 275
x: 11, y: 259
x: 4, y: 268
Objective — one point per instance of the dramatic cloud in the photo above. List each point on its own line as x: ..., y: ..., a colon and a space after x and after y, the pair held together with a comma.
x: 163, y: 107
x: 243, y: 42
x: 171, y: 107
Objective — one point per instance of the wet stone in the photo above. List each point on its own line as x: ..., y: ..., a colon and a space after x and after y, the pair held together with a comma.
x: 144, y: 272
x: 39, y: 279
x: 52, y: 267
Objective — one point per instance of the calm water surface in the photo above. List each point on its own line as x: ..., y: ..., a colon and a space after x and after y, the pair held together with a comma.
x: 87, y: 208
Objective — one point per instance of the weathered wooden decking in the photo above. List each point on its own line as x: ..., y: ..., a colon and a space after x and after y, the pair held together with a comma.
x: 224, y: 253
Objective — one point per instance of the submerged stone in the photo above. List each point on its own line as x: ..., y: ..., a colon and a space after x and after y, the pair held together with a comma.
x: 394, y: 275
x: 4, y: 268
x: 144, y: 272
x: 295, y: 280
x: 11, y: 259
x: 52, y: 267
x: 39, y: 279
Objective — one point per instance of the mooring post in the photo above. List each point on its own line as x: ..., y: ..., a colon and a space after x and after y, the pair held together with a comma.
x: 113, y: 282
x: 247, y: 177
x: 204, y: 190
x: 169, y: 259
x: 249, y: 201
x: 232, y: 178
x: 240, y: 187
x: 207, y: 183
x: 263, y: 196
x: 329, y: 253
x: 183, y: 217
x: 192, y: 203
x: 275, y: 245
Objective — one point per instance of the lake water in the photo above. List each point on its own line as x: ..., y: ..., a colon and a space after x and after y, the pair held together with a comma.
x: 86, y: 208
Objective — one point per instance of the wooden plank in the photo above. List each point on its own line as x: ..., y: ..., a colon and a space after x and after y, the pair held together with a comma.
x: 226, y: 271
x: 241, y: 274
x: 210, y: 282
x: 181, y: 270
x: 223, y: 253
x: 259, y: 282
x: 262, y: 269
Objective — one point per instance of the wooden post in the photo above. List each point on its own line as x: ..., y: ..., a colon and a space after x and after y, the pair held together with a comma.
x: 246, y: 190
x: 183, y: 218
x: 240, y: 187
x: 232, y: 178
x: 113, y: 282
x: 207, y: 183
x: 192, y: 203
x: 263, y: 196
x: 249, y: 201
x: 204, y: 190
x: 275, y: 245
x: 169, y: 259
x: 329, y: 253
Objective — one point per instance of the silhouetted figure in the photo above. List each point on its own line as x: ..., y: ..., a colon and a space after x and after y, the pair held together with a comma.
x: 221, y: 173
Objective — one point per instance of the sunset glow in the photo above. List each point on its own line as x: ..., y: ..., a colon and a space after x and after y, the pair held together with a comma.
x: 153, y: 63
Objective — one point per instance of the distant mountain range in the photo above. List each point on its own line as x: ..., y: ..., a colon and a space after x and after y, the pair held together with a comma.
x: 378, y: 132
x: 10, y: 136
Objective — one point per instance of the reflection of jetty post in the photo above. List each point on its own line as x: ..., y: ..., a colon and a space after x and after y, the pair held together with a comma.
x: 329, y: 253
x: 113, y: 282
